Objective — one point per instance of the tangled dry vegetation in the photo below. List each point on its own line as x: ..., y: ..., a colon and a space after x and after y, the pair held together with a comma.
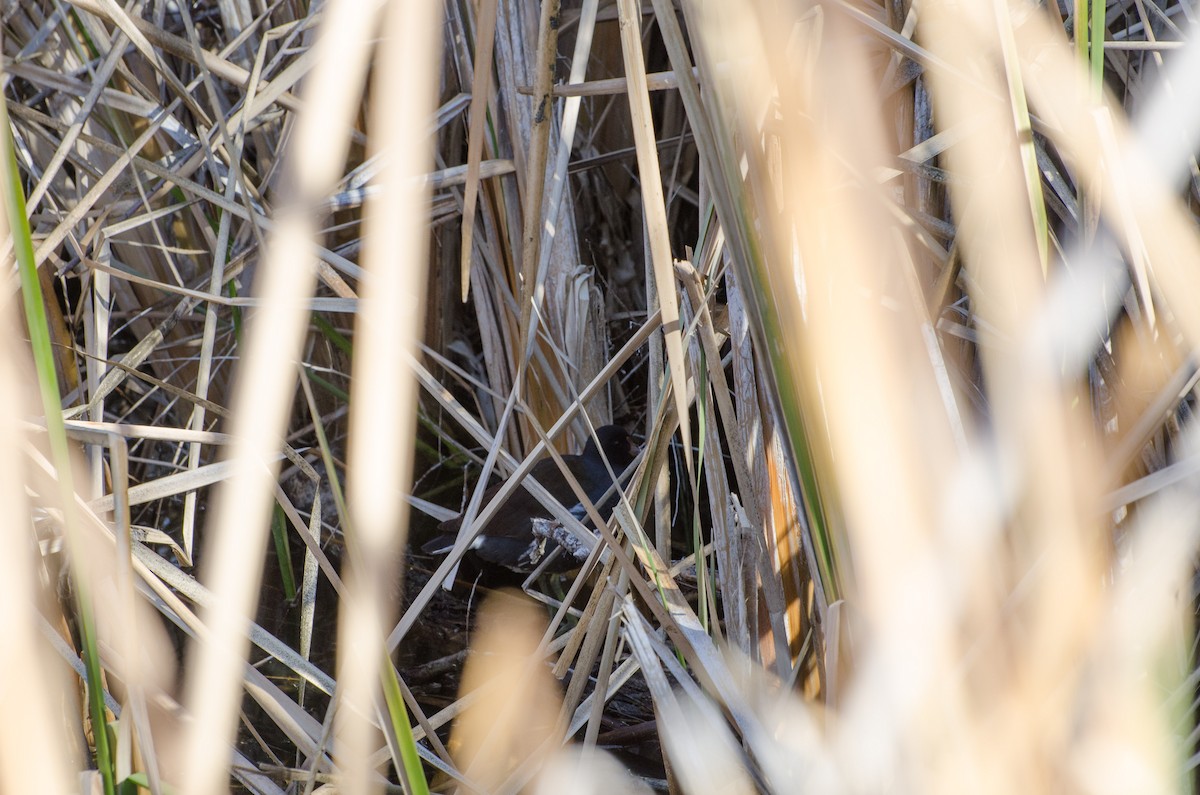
x: 900, y: 299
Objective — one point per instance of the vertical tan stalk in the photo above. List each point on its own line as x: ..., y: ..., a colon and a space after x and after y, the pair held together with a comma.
x: 387, y: 332
x: 535, y: 181
x: 481, y: 86
x: 30, y: 687
x: 238, y: 525
x: 654, y: 207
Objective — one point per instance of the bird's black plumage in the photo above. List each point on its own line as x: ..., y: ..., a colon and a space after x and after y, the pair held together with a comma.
x: 508, y: 539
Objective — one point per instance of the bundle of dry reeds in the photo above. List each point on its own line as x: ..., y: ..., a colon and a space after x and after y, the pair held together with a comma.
x: 900, y: 298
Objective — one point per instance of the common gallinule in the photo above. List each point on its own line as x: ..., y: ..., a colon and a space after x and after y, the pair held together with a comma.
x: 508, y: 539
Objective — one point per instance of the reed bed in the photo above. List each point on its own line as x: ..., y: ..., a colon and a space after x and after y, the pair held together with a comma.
x: 898, y: 297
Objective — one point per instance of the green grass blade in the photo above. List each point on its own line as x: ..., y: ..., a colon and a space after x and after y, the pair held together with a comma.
x: 43, y: 358
x: 413, y: 770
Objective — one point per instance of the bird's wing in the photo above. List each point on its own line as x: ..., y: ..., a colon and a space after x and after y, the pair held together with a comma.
x: 512, y: 519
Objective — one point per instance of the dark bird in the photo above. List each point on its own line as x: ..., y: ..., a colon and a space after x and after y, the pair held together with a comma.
x: 508, y: 539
